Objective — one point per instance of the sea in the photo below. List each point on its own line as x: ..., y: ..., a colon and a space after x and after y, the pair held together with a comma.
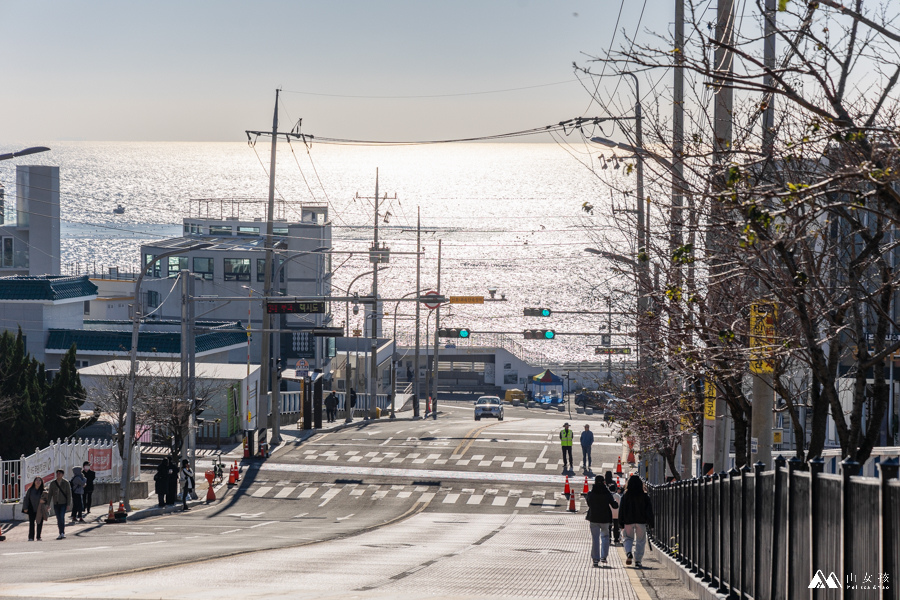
x: 509, y: 216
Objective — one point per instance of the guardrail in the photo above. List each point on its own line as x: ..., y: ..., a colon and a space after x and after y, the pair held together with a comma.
x: 770, y: 535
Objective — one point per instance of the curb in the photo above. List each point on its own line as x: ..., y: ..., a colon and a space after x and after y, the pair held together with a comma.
x: 703, y: 590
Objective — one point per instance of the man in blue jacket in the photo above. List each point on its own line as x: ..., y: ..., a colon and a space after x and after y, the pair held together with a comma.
x: 587, y: 439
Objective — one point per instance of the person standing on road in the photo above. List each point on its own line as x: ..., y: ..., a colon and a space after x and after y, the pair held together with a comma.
x: 600, y: 506
x: 565, y: 438
x: 36, y: 505
x: 161, y: 480
x: 89, y: 475
x: 60, y: 493
x: 78, y: 482
x: 187, y: 483
x: 635, y: 516
x: 614, y: 526
x: 587, y: 439
x: 331, y: 402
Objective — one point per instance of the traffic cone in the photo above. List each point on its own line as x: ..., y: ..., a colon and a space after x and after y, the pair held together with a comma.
x: 237, y: 472
x: 121, y: 507
x: 210, y: 494
x: 572, y: 503
x: 567, y: 489
x: 231, y: 478
x: 619, y: 466
x: 618, y: 487
x: 111, y: 517
x: 586, y: 490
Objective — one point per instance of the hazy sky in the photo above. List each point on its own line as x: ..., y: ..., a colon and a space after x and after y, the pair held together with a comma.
x: 207, y: 70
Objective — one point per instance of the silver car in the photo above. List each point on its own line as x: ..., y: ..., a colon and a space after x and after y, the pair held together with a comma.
x: 489, y: 406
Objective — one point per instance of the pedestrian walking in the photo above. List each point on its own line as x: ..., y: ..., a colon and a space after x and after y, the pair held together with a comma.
x: 409, y: 373
x: 352, y: 401
x: 331, y: 402
x: 36, y: 505
x: 614, y: 526
x: 587, y: 440
x: 89, y: 475
x: 60, y: 493
x: 78, y: 483
x: 187, y: 483
x: 600, y: 506
x: 565, y: 439
x: 161, y: 480
x: 172, y: 482
x: 635, y: 517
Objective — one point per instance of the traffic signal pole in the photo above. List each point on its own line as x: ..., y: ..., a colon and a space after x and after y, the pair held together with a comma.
x: 437, y: 345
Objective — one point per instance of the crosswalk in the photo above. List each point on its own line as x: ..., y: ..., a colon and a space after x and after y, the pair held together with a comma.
x: 323, y: 493
x: 439, y: 458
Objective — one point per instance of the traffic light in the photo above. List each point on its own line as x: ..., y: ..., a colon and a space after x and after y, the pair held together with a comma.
x: 538, y: 312
x: 539, y: 334
x: 461, y: 332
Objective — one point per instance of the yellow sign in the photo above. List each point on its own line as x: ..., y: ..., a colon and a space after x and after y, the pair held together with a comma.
x: 709, y: 404
x: 762, y: 336
x: 776, y: 436
x: 685, y: 412
x: 466, y: 299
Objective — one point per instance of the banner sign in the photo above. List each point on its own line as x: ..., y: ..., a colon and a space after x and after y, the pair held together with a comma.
x: 762, y: 336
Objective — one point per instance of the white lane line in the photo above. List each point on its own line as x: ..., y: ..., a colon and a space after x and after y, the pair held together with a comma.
x: 327, y: 496
x: 451, y: 498
x: 260, y: 492
x: 500, y: 501
x: 262, y: 524
x: 308, y: 492
x: 300, y: 516
x: 426, y: 497
x: 95, y: 548
x: 287, y: 491
x: 385, y: 442
x: 543, y: 452
x: 229, y: 531
x: 18, y: 553
x: 345, y: 518
x: 156, y: 542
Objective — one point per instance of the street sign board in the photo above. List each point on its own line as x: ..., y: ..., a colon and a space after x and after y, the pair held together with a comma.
x: 776, y: 436
x: 606, y: 340
x: 466, y: 299
x: 328, y: 331
x: 296, y: 308
x: 430, y: 305
x: 612, y: 350
x: 762, y: 336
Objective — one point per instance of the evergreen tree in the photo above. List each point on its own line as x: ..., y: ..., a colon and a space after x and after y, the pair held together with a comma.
x: 64, y: 398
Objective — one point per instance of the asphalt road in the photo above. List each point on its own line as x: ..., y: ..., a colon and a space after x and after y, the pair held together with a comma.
x: 361, y: 482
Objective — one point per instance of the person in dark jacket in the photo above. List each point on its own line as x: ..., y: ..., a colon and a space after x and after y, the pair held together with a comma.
x: 89, y: 475
x: 600, y: 504
x: 172, y: 482
x: 77, y: 482
x: 635, y: 516
x: 331, y: 402
x: 61, y: 498
x: 161, y: 480
x: 614, y: 526
x: 36, y: 505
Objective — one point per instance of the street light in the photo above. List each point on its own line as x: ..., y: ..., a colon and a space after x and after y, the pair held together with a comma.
x: 129, y: 414
x: 25, y: 152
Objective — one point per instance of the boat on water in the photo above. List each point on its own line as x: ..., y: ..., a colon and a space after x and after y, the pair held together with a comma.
x: 119, y: 210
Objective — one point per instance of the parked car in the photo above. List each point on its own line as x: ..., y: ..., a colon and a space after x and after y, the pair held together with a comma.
x: 489, y: 406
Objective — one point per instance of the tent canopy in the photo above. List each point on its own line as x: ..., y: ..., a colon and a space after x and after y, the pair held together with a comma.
x: 548, y: 377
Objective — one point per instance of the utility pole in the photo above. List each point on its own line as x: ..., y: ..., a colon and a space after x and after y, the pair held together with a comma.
x: 677, y: 216
x: 722, y: 122
x: 189, y: 361
x: 437, y: 345
x: 416, y: 394
x: 763, y: 388
x: 265, y: 362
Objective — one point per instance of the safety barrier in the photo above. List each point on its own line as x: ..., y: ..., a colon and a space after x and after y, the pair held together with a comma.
x: 771, y: 535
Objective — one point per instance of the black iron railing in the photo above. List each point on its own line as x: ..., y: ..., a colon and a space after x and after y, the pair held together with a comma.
x: 766, y: 535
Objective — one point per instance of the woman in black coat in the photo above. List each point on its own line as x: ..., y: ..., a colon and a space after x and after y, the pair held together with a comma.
x: 172, y: 482
x: 161, y: 480
x: 635, y: 516
x: 600, y: 504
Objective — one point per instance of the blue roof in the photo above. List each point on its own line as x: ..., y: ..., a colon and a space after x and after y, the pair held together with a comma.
x: 46, y: 287
x: 110, y: 341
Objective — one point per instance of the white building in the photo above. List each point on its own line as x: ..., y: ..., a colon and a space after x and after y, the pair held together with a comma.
x: 29, y: 238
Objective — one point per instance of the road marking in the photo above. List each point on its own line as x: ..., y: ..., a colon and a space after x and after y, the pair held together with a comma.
x: 549, y: 503
x: 355, y: 458
x: 156, y: 542
x: 543, y: 452
x: 95, y: 548
x: 379, y: 495
x: 308, y: 492
x: 523, y: 502
x: 475, y: 499
x: 259, y: 493
x: 426, y: 497
x: 285, y: 492
x: 500, y: 501
x: 229, y: 531
x: 385, y: 442
x: 528, y: 465
x: 508, y: 464
x: 357, y: 492
x: 18, y: 553
x: 300, y: 516
x: 345, y: 518
x: 451, y: 498
x: 262, y: 524
x: 404, y: 494
x: 327, y: 496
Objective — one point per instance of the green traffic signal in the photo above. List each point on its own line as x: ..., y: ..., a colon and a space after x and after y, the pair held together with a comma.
x: 545, y: 312
x: 549, y: 334
x: 463, y: 333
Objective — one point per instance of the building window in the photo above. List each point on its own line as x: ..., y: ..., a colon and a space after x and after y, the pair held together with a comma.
x: 176, y: 264
x: 196, y: 229
x: 7, y: 259
x: 279, y: 231
x: 204, y: 267
x: 187, y: 228
x: 148, y: 258
x: 248, y: 230
x: 261, y: 270
x: 220, y: 230
x: 237, y: 269
x: 87, y: 308
x: 152, y: 299
x: 80, y: 364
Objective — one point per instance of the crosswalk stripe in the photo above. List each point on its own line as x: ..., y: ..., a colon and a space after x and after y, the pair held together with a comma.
x: 327, y: 496
x: 380, y: 495
x: 426, y: 497
x: 549, y: 503
x: 285, y: 492
x: 260, y: 492
x: 404, y: 494
x: 308, y: 492
x: 475, y: 499
x: 451, y: 498
x: 500, y: 501
x: 523, y: 502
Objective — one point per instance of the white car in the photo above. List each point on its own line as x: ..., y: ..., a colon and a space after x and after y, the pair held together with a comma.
x: 489, y: 406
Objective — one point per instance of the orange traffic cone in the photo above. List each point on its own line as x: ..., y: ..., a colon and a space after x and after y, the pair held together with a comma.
x: 231, y: 476
x: 619, y: 466
x: 618, y: 486
x: 586, y: 490
x: 567, y: 489
x: 631, y: 456
x: 237, y: 472
x: 121, y: 507
x: 111, y: 517
x: 572, y: 503
x: 210, y: 494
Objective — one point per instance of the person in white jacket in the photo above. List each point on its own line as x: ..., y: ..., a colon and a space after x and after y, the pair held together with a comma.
x: 187, y: 483
x: 614, y: 526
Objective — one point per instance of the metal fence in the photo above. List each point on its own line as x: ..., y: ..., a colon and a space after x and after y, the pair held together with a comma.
x: 10, y: 480
x: 770, y: 535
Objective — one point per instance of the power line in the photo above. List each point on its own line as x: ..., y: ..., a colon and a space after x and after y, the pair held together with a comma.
x: 451, y: 95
